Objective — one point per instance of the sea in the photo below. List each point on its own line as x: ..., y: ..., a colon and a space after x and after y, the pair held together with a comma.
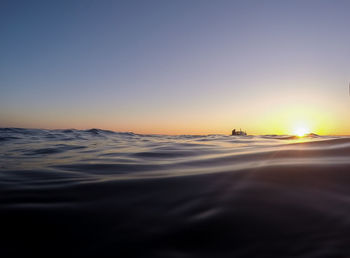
x: 98, y: 193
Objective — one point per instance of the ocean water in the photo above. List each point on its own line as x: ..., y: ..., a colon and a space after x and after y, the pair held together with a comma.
x: 101, y: 193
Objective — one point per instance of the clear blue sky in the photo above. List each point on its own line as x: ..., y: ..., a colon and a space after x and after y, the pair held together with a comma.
x: 174, y: 66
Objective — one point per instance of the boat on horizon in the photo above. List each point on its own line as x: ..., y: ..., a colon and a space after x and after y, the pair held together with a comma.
x: 240, y: 132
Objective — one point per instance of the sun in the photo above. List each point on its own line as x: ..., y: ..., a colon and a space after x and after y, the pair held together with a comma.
x: 301, y: 131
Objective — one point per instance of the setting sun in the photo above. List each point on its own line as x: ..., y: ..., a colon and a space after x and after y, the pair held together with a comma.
x: 301, y: 131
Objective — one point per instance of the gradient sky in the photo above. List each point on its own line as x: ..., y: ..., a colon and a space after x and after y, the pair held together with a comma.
x: 176, y: 67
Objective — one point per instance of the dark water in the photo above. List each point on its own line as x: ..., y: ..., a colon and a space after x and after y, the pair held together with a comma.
x: 100, y: 193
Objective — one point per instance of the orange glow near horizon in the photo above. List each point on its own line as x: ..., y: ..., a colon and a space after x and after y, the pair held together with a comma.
x: 282, y: 122
x: 290, y: 115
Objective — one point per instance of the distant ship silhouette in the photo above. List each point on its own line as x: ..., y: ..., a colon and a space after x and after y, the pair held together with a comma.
x: 240, y: 132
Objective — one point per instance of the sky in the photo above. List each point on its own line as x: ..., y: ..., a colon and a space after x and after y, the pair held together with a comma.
x: 176, y: 67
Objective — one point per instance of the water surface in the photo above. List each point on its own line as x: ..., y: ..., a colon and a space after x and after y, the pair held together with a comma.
x: 103, y: 193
